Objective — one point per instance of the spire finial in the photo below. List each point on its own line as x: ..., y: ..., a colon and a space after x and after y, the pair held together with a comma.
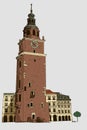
x: 31, y: 9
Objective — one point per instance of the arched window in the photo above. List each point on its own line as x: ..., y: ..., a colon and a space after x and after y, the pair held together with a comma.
x: 5, y: 119
x: 28, y: 32
x: 33, y: 32
x: 38, y: 33
x: 10, y: 118
x: 32, y: 94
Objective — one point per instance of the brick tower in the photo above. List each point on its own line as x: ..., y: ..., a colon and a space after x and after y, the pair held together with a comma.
x: 31, y: 103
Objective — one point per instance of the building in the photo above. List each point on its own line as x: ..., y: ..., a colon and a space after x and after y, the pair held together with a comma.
x: 59, y: 106
x: 31, y: 101
x: 8, y: 107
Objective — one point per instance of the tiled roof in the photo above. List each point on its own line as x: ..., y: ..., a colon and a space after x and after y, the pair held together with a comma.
x: 48, y: 91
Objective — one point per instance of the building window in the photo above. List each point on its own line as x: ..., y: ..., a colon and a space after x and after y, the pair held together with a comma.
x: 19, y: 63
x: 34, y: 60
x: 25, y: 88
x: 53, y: 97
x: 28, y: 32
x: 58, y: 111
x: 49, y: 104
x: 59, y: 106
x: 19, y: 97
x: 11, y: 110
x: 34, y: 51
x: 33, y: 32
x: 6, y: 104
x: 38, y: 33
x: 42, y: 105
x: 68, y: 106
x: 68, y: 111
x: 32, y: 94
x: 62, y: 111
x: 29, y: 84
x: 54, y: 110
x: 6, y: 110
x: 49, y: 98
x: 53, y: 103
x: 6, y: 98
x: 31, y: 104
x: 11, y: 104
x: 49, y: 110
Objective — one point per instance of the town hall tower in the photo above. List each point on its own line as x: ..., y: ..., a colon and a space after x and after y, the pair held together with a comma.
x: 31, y: 103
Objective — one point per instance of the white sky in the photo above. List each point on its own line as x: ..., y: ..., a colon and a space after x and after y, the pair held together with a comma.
x: 64, y: 25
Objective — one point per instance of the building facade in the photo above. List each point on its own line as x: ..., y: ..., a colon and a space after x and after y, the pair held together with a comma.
x: 8, y: 107
x: 59, y: 106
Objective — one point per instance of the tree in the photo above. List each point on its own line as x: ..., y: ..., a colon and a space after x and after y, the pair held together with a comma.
x: 77, y: 114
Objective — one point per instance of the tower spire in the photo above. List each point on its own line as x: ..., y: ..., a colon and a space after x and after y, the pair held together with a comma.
x: 31, y: 8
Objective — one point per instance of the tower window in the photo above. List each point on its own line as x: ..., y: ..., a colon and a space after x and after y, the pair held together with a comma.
x: 31, y: 104
x: 42, y: 105
x: 19, y: 97
x: 29, y: 84
x: 25, y: 88
x: 19, y: 63
x: 34, y: 51
x: 34, y: 60
x: 32, y: 94
x: 38, y: 33
x: 33, y: 32
x: 28, y: 32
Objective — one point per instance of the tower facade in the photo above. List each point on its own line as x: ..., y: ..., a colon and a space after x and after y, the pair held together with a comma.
x: 31, y: 103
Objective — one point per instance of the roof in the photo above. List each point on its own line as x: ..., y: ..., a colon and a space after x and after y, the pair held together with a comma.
x: 48, y: 91
x: 9, y: 94
x: 62, y: 96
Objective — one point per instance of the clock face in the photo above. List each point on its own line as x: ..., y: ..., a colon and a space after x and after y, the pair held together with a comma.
x: 34, y: 44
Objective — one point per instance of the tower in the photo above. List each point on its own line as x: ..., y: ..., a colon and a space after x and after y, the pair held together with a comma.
x: 31, y: 103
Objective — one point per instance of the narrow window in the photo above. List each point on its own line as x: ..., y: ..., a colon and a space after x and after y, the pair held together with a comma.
x: 54, y: 110
x: 19, y: 97
x: 29, y: 84
x: 25, y: 88
x: 19, y: 63
x: 32, y: 94
x: 38, y: 33
x: 6, y: 110
x: 33, y: 32
x: 31, y: 104
x: 34, y: 51
x: 42, y: 105
x: 28, y: 32
x: 49, y: 98
x: 34, y: 60
x: 11, y: 110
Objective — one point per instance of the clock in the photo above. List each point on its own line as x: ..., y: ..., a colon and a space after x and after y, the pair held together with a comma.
x: 34, y: 44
